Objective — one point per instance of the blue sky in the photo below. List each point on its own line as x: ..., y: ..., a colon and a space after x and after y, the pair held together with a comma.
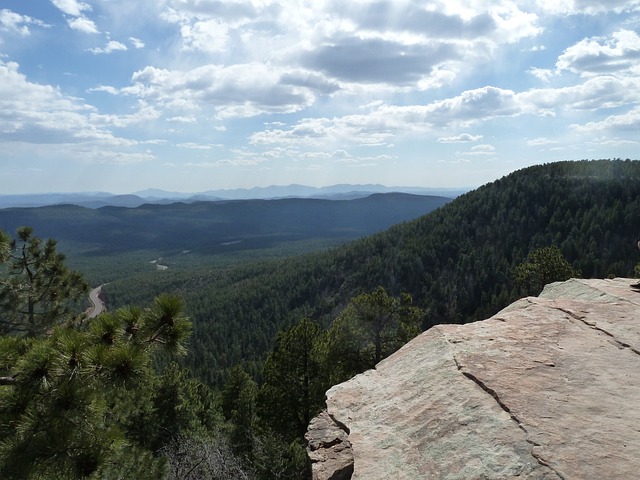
x: 192, y: 95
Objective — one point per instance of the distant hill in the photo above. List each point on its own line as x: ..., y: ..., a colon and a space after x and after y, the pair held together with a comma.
x: 157, y: 196
x: 217, y: 227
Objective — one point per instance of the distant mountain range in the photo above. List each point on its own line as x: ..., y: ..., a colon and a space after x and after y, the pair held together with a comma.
x: 156, y: 196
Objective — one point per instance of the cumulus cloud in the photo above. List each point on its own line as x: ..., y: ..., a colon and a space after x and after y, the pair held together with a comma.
x: 104, y: 88
x: 111, y: 46
x: 588, y: 7
x: 205, y: 36
x: 95, y: 154
x: 136, y: 42
x: 388, y: 121
x: 38, y: 113
x: 180, y: 11
x: 594, y: 94
x: 74, y: 10
x: 206, y: 26
x: 384, y: 122
x: 622, y: 123
x: 19, y: 24
x: 83, y: 24
x: 143, y: 113
x: 474, y: 105
x: 311, y: 80
x: 462, y: 138
x: 196, y: 146
x: 541, y: 141
x: 543, y: 74
x: 42, y: 115
x: 230, y: 91
x: 603, y: 55
x: 71, y: 7
x: 183, y: 119
x: 355, y: 59
x: 398, y: 45
x: 431, y: 23
x: 485, y: 150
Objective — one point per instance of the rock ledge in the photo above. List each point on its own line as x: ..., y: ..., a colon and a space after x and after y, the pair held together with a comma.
x: 548, y: 388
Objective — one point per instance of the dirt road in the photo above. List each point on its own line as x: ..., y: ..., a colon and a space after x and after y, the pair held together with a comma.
x: 97, y: 305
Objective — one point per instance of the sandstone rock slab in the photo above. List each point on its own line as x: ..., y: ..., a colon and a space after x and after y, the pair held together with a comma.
x: 548, y: 388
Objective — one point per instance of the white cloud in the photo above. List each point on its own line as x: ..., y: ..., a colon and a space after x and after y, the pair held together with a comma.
x: 388, y: 121
x: 594, y: 94
x: 194, y: 146
x: 111, y: 46
x: 603, y: 55
x: 228, y: 91
x: 71, y: 7
x: 541, y: 141
x: 110, y: 156
x: 628, y: 122
x: 462, y: 138
x: 144, y: 113
x: 381, y: 43
x: 83, y: 24
x: 183, y: 119
x: 104, y: 88
x: 205, y: 36
x: 339, y: 155
x: 480, y: 150
x: 470, y: 107
x: 588, y: 7
x: 136, y: 42
x: 543, y: 74
x: 15, y: 23
x: 375, y: 60
x: 39, y: 115
x: 76, y: 19
x: 473, y: 105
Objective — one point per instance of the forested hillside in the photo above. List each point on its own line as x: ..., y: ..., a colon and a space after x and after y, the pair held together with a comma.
x: 455, y: 262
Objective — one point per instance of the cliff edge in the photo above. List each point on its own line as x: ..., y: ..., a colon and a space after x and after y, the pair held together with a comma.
x: 548, y: 388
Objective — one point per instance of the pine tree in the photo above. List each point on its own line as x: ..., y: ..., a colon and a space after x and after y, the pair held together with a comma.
x: 543, y: 265
x: 67, y: 396
x: 38, y: 289
x: 294, y: 384
x: 370, y: 328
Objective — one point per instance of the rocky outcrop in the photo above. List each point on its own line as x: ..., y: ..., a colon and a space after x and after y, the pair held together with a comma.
x: 329, y: 449
x: 548, y: 388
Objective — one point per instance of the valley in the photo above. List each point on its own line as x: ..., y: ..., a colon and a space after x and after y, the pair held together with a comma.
x: 111, y: 243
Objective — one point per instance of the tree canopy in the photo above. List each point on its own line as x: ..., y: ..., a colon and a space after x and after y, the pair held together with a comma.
x: 542, y: 266
x: 73, y: 393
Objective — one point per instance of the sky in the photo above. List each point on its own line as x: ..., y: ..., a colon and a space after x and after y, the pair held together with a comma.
x: 195, y: 95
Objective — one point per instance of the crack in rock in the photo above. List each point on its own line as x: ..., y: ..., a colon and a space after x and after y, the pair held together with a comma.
x: 599, y: 329
x: 513, y: 417
x: 340, y: 425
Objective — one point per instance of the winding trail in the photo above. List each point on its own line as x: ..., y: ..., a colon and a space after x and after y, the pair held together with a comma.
x: 97, y: 305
